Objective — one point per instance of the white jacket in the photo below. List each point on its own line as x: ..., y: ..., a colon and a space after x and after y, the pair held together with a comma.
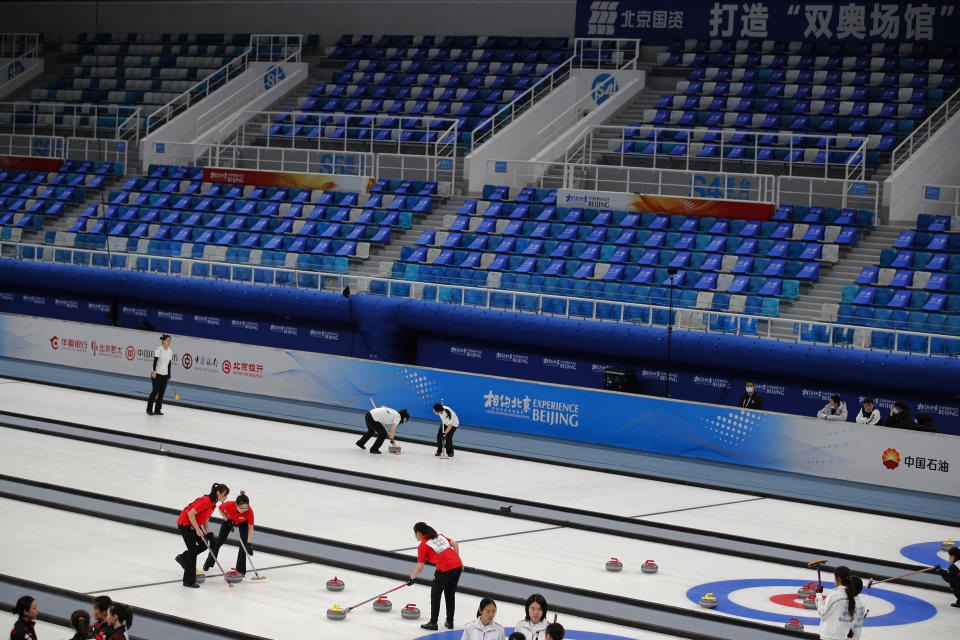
x: 873, y: 418
x: 476, y: 631
x: 531, y: 631
x: 828, y: 414
x: 835, y: 619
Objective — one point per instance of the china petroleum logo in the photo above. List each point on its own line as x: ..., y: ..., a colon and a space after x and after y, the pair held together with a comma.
x: 891, y: 459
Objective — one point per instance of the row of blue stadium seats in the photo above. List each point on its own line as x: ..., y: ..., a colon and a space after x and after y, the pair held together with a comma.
x: 922, y: 260
x: 801, y: 60
x: 98, y: 96
x: 11, y: 193
x: 28, y: 186
x: 119, y: 84
x: 527, y: 194
x: 807, y: 74
x: 245, y: 221
x: 900, y: 299
x: 377, y: 122
x: 911, y: 279
x: 452, y: 42
x: 205, y: 62
x: 795, y: 106
x: 811, y: 47
x: 625, y: 225
x: 226, y: 238
x: 439, y: 66
x: 899, y: 319
x: 928, y: 241
x: 775, y: 122
x: 928, y: 222
x: 135, y: 73
x: 838, y: 90
x: 854, y: 85
x: 419, y: 136
x: 403, y: 92
x: 32, y: 219
x: 250, y: 204
x: 612, y: 291
x: 84, y: 49
x: 460, y: 245
x: 536, y: 56
x: 742, y: 152
x: 637, y: 134
x: 101, y: 37
x: 749, y: 247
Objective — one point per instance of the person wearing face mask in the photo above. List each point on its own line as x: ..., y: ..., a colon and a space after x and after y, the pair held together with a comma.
x: 751, y: 398
x: 899, y: 417
x: 869, y: 414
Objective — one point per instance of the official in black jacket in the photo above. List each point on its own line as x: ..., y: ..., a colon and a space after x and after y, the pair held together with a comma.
x: 751, y: 398
x: 952, y: 574
x: 899, y: 417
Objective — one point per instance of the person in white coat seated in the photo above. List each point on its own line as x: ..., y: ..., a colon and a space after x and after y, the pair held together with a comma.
x: 534, y: 624
x: 869, y: 414
x: 484, y: 628
x: 841, y: 609
x: 836, y: 409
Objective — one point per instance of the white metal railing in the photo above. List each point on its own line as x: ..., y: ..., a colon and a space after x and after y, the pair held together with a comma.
x: 827, y: 192
x: 644, y: 314
x: 19, y: 45
x: 97, y: 150
x: 548, y: 134
x: 605, y: 53
x: 225, y: 155
x: 358, y: 130
x: 520, y: 103
x: 231, y: 105
x: 64, y: 148
x: 611, y: 141
x: 68, y: 119
x: 924, y: 131
x: 941, y: 200
x: 254, y: 53
x: 752, y: 187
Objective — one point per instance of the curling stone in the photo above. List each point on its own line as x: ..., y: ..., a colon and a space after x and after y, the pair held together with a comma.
x: 810, y: 602
x: 410, y: 612
x: 336, y: 584
x: 336, y: 612
x: 709, y: 601
x: 649, y: 567
x: 394, y: 448
x: 793, y: 624
x: 807, y: 590
x: 614, y: 565
x: 947, y: 545
x: 382, y: 604
x: 233, y: 577
x: 201, y: 577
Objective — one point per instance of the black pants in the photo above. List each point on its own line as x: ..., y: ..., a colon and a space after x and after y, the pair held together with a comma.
x: 449, y: 440
x: 195, y: 547
x: 444, y: 582
x: 374, y: 428
x: 225, y: 530
x: 156, y: 395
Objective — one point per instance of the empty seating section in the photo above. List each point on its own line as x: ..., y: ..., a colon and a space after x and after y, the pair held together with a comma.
x: 463, y: 78
x: 915, y: 287
x: 878, y: 91
x: 722, y: 264
x: 27, y: 197
x: 172, y: 213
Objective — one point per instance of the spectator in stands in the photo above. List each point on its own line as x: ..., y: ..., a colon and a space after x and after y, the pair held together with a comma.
x: 119, y: 621
x: 952, y: 574
x: 899, y: 416
x: 555, y: 631
x: 80, y: 623
x: 924, y: 422
x: 751, y: 398
x: 836, y: 410
x: 868, y: 414
x: 26, y: 612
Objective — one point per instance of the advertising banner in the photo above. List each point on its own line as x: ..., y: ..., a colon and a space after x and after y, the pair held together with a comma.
x: 671, y: 205
x: 661, y: 22
x: 316, y: 181
x: 889, y: 457
x: 23, y: 163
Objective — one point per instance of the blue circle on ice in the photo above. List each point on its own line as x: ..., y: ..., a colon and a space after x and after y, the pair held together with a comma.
x: 925, y: 553
x: 456, y: 634
x: 906, y: 609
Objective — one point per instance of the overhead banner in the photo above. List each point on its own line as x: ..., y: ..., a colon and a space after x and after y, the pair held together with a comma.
x: 316, y: 181
x: 876, y: 455
x: 661, y: 22
x: 671, y: 205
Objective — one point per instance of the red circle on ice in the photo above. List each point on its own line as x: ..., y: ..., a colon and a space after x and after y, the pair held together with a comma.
x: 788, y: 600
